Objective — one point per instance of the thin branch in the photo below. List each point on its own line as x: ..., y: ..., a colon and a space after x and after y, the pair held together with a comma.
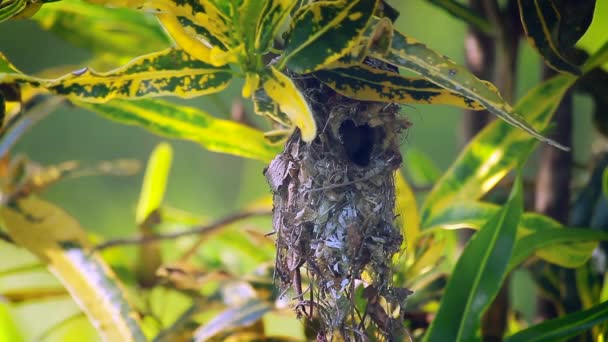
x: 205, y: 229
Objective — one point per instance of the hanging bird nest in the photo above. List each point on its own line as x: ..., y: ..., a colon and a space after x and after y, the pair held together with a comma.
x: 334, y: 215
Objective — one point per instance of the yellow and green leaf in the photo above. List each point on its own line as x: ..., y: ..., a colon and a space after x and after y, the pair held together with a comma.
x: 265, y: 106
x: 366, y: 83
x: 407, y: 209
x: 181, y: 122
x: 541, y: 21
x: 80, y: 23
x: 58, y: 240
x: 274, y: 13
x: 322, y: 32
x: 11, y: 8
x: 408, y: 53
x: 284, y: 92
x: 168, y: 72
x: 155, y: 182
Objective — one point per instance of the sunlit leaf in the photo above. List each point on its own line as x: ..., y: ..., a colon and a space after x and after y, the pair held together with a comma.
x: 324, y: 31
x: 370, y: 84
x: 188, y: 123
x: 265, y: 106
x: 541, y: 20
x: 57, y: 239
x: 465, y: 13
x: 185, y: 37
x: 478, y: 274
x: 168, y: 72
x: 124, y: 30
x: 427, y: 260
x: 408, y: 53
x: 407, y: 209
x: 155, y: 182
x: 8, y: 328
x: 562, y: 328
x: 234, y: 317
x: 283, y: 91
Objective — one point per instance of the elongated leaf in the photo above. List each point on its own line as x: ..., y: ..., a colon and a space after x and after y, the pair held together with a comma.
x: 273, y: 15
x: 188, y: 123
x: 465, y: 13
x: 408, y: 53
x: 576, y: 16
x: 324, y: 31
x: 496, y: 150
x: 478, y: 274
x: 11, y: 8
x: 57, y: 239
x: 124, y: 30
x: 168, y: 72
x: 420, y: 168
x: 283, y: 91
x: 238, y: 316
x: 264, y: 105
x: 369, y: 84
x: 475, y: 214
x: 407, y: 209
x: 536, y: 241
x: 562, y: 328
x: 249, y: 14
x: 155, y: 182
x: 541, y: 21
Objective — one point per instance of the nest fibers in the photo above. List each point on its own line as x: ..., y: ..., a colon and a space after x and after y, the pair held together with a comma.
x: 334, y: 216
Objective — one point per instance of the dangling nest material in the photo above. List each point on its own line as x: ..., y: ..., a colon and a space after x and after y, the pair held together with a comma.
x: 334, y: 214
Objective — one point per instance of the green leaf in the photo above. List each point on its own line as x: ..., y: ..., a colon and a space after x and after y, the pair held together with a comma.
x: 250, y: 12
x: 538, y: 240
x: 324, y: 31
x: 605, y: 182
x: 58, y: 240
x: 155, y: 182
x: 473, y: 215
x: 234, y: 317
x: 188, y: 123
x: 167, y: 72
x: 541, y: 20
x: 366, y: 83
x: 10, y: 8
x: 496, y: 150
x: 562, y: 328
x: 408, y: 53
x: 576, y: 17
x: 284, y: 92
x: 124, y: 30
x: 465, y: 13
x: 420, y: 168
x: 478, y: 274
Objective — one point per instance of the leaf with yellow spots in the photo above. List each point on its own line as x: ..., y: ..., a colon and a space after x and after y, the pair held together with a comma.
x: 284, y: 92
x: 58, y: 241
x: 369, y: 84
x: 181, y: 122
x: 408, y: 53
x: 265, y: 106
x: 322, y: 32
x: 168, y: 72
x: 541, y: 21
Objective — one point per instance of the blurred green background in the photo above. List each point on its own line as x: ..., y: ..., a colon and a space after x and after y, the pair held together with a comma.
x: 210, y: 184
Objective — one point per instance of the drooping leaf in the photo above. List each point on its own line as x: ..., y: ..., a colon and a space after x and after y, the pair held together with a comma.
x: 265, y: 106
x: 273, y: 15
x: 234, y: 317
x: 284, y: 92
x: 562, y: 328
x: 478, y: 274
x: 536, y: 241
x: 576, y: 16
x: 541, y: 20
x: 188, y: 123
x: 124, y: 30
x: 369, y: 84
x: 59, y: 241
x: 168, y: 72
x: 324, y: 31
x: 474, y: 215
x: 410, y: 54
x: 464, y: 12
x: 407, y: 209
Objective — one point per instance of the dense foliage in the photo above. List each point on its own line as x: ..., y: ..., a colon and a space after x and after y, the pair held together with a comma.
x: 279, y: 48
